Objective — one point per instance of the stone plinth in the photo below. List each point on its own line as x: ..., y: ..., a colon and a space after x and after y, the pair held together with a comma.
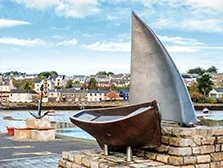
x: 44, y: 134
x: 197, y: 147
x: 97, y: 159
x: 22, y: 133
x: 38, y: 123
x: 200, y: 146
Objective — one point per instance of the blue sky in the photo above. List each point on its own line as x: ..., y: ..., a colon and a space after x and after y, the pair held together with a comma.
x: 86, y: 36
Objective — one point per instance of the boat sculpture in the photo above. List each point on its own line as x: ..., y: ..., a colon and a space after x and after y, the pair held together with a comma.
x: 155, y: 76
x: 119, y: 127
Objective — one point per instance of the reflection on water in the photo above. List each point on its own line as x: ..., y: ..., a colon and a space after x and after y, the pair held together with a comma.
x: 60, y: 116
x: 21, y: 116
x: 74, y: 132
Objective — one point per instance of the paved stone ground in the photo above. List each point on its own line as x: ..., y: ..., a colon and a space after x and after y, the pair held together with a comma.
x: 31, y: 162
x: 33, y: 154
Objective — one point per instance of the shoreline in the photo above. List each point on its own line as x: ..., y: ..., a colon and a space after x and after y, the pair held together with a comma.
x: 56, y: 106
x: 66, y: 106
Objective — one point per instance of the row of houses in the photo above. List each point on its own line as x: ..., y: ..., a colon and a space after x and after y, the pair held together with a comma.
x: 67, y: 95
x: 51, y: 93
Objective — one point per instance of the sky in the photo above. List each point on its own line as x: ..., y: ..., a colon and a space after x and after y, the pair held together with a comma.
x: 83, y: 37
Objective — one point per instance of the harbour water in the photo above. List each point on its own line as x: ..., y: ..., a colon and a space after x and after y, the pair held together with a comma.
x: 19, y: 117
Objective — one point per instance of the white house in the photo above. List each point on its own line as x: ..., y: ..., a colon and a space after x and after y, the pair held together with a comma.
x: 19, y: 95
x: 60, y: 81
x: 5, y: 86
x: 189, y: 79
x: 79, y: 78
x: 216, y: 93
x: 48, y: 85
x: 54, y: 96
x: 96, y: 95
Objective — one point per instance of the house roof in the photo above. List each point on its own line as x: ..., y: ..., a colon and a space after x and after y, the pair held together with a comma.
x: 117, y: 75
x: 124, y: 91
x: 37, y: 81
x: 218, y: 89
x: 78, y: 76
x: 71, y: 90
x: 98, y: 91
x: 22, y: 91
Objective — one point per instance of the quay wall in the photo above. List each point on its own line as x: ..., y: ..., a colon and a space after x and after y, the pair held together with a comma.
x: 71, y: 106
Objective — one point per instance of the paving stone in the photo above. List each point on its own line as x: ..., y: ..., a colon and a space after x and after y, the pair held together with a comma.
x: 34, y: 162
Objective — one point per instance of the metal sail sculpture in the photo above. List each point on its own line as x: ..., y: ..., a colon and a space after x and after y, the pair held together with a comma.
x: 155, y: 76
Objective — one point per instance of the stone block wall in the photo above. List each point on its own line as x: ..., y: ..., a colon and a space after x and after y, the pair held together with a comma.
x: 22, y: 133
x: 37, y: 130
x: 196, y: 147
x: 38, y: 123
x: 200, y: 146
x: 97, y: 159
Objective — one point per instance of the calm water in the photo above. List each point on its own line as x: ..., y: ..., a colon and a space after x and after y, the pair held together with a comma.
x: 61, y: 115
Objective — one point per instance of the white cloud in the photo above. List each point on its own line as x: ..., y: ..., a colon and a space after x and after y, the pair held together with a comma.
x: 58, y: 37
x: 109, y: 46
x: 67, y: 8
x: 86, y: 35
x: 77, y: 8
x: 60, y: 28
x: 22, y: 42
x: 36, y: 42
x: 38, y: 4
x: 211, y: 4
x: 204, y: 25
x: 12, y: 23
x: 72, y: 42
x: 190, y: 49
x: 180, y: 40
x: 181, y: 49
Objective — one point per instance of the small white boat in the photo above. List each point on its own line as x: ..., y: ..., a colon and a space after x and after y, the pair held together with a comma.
x: 206, y: 111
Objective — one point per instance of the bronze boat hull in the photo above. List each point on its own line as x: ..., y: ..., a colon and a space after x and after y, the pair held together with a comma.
x: 134, y: 125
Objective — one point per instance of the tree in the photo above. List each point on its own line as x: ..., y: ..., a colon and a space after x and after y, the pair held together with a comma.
x: 197, y: 70
x: 193, y: 88
x: 101, y: 73
x: 14, y: 73
x: 46, y: 74
x: 92, y: 84
x: 26, y: 84
x: 110, y: 73
x: 69, y: 83
x: 212, y: 69
x: 197, y: 97
x: 43, y: 75
x: 204, y: 84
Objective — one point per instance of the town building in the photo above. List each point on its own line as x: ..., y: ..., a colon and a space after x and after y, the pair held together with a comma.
x: 19, y: 95
x: 216, y: 93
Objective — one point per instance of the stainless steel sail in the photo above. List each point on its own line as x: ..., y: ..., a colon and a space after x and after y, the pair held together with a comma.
x: 155, y: 76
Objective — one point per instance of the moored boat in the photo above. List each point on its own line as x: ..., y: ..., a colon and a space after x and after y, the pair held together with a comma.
x: 51, y: 113
x: 119, y: 127
x: 205, y: 110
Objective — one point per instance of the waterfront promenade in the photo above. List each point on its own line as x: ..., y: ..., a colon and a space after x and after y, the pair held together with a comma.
x: 27, y: 154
